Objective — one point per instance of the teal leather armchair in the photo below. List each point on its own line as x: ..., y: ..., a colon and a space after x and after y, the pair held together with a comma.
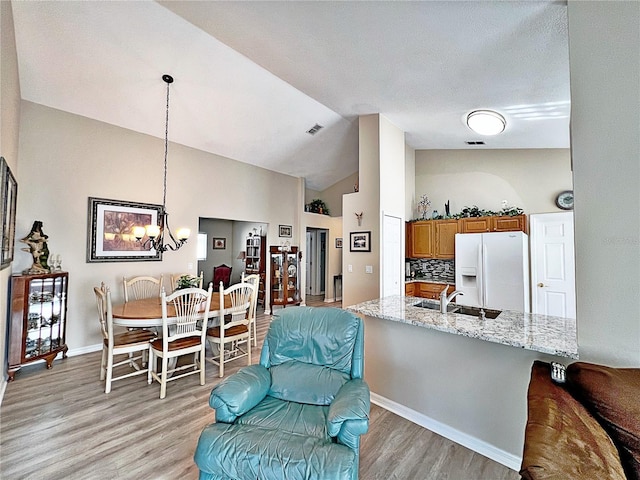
x: 300, y: 412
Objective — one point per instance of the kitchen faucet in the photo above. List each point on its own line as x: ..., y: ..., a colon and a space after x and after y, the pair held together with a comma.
x: 444, y: 300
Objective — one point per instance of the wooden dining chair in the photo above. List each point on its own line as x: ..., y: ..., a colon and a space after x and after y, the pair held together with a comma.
x: 176, y: 276
x: 137, y: 288
x: 221, y: 273
x: 125, y: 343
x: 235, y: 331
x: 185, y: 336
x: 253, y: 279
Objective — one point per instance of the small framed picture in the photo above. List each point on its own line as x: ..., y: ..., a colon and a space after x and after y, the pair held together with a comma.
x: 219, y: 243
x: 338, y: 243
x: 285, y: 231
x: 360, y: 242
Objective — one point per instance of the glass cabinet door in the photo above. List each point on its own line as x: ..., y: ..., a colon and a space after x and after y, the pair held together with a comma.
x: 45, y: 316
x: 38, y: 319
x: 292, y: 277
x: 277, y: 278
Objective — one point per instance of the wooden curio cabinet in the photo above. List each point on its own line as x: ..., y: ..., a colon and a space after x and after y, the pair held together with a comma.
x: 285, y: 287
x: 38, y: 319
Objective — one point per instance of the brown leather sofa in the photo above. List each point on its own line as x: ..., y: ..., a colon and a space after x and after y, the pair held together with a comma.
x: 587, y: 428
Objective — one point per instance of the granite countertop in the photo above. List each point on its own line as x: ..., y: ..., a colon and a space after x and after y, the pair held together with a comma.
x: 542, y: 333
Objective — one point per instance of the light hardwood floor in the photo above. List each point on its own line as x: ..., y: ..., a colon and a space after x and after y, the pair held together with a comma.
x: 59, y: 424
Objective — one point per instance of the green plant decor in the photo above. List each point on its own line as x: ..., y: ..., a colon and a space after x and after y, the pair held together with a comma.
x: 318, y: 206
x: 187, y: 281
x: 474, y: 211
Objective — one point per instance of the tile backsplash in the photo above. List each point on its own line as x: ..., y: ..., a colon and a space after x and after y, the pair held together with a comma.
x: 434, y: 269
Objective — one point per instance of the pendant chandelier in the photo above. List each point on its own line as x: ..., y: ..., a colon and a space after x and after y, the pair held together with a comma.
x: 156, y: 233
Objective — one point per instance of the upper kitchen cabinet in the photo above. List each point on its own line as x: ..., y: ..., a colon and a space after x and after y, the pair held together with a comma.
x: 432, y: 239
x: 493, y: 224
x: 421, y: 241
x: 445, y: 238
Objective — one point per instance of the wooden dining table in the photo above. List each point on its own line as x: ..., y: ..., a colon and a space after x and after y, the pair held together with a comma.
x: 147, y: 312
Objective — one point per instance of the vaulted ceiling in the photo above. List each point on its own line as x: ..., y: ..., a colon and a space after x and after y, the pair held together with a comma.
x: 252, y: 77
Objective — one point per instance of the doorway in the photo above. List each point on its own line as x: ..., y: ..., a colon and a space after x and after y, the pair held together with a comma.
x: 316, y: 260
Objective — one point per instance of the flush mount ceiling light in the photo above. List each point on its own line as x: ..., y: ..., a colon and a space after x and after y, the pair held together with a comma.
x: 486, y: 122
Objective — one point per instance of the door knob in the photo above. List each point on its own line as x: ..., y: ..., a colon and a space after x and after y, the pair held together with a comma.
x: 541, y: 284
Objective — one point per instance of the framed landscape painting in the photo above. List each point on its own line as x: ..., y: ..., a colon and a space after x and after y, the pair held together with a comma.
x: 8, y: 197
x: 110, y: 226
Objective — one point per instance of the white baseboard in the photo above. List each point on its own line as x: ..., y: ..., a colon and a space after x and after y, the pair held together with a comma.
x: 3, y: 387
x: 331, y: 300
x: 483, y: 448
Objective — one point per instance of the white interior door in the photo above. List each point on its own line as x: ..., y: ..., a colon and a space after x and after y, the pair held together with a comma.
x: 553, y: 264
x: 392, y: 256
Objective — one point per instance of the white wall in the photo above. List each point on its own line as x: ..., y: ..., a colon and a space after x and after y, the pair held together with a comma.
x: 409, y: 183
x: 527, y: 178
x: 65, y: 158
x: 357, y: 285
x: 9, y: 127
x: 605, y: 125
x: 332, y: 196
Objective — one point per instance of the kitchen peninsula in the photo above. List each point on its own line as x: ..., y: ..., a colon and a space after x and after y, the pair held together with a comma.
x: 462, y: 377
x: 542, y: 333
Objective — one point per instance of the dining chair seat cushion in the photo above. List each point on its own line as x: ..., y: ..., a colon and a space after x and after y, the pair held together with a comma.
x: 133, y: 337
x: 247, y: 452
x: 292, y: 417
x: 230, y: 332
x: 179, y: 344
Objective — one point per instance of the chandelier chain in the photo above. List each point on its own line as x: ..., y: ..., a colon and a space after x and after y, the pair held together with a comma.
x: 166, y: 151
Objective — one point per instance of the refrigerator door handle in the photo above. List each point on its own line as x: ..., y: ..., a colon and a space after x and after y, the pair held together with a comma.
x: 480, y: 275
x: 485, y: 294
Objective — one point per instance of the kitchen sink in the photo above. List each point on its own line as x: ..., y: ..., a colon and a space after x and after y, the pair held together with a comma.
x: 435, y: 305
x: 475, y: 311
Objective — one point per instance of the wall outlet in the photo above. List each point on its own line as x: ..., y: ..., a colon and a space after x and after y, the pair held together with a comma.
x: 368, y: 269
x: 349, y: 268
x: 189, y: 266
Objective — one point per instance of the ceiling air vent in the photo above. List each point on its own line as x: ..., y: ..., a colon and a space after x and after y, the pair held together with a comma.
x: 472, y: 142
x: 315, y: 129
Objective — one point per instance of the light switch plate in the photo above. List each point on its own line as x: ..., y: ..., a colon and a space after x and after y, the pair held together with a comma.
x: 350, y: 268
x: 368, y: 269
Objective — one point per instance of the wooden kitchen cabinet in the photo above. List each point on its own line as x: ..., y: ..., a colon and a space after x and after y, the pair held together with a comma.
x: 409, y: 289
x: 444, y: 232
x: 432, y: 239
x: 493, y: 224
x: 422, y: 241
x: 432, y: 290
x: 426, y: 289
x: 510, y: 224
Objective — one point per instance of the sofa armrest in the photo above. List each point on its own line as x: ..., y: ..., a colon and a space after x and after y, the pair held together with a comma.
x: 562, y: 440
x: 240, y: 392
x: 348, y: 416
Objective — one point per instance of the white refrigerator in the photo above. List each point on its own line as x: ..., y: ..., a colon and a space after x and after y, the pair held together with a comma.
x: 492, y: 270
